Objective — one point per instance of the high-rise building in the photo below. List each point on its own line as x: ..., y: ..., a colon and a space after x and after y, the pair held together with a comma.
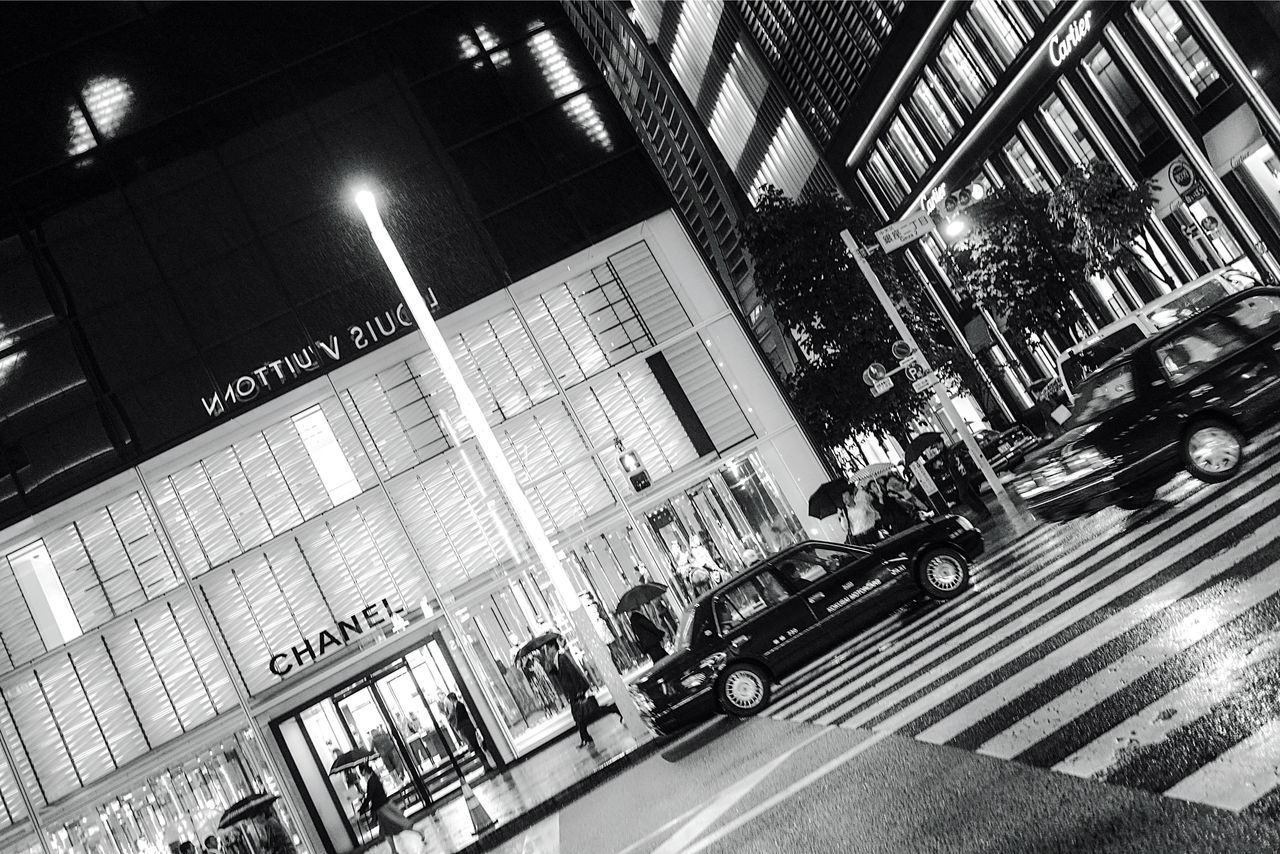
x: 243, y: 526
x: 893, y: 103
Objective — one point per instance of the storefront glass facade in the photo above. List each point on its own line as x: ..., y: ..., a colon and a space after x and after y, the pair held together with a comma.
x: 319, y: 575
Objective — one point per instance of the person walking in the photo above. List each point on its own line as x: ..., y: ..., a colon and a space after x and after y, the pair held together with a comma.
x: 648, y: 636
x: 860, y: 517
x: 384, y: 813
x: 462, y: 723
x: 573, y: 684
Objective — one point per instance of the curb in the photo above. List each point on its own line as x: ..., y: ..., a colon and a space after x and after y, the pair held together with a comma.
x: 527, y: 819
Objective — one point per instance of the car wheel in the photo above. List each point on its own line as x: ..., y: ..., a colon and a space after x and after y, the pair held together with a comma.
x: 743, y: 689
x: 1212, y: 450
x: 943, y: 573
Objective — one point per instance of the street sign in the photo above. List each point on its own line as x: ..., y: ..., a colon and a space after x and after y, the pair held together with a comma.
x: 913, y: 369
x: 902, y: 352
x: 924, y: 478
x: 905, y: 231
x: 874, y: 373
x: 929, y: 380
x: 881, y: 386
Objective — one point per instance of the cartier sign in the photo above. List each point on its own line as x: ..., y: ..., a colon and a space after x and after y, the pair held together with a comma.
x: 1065, y: 41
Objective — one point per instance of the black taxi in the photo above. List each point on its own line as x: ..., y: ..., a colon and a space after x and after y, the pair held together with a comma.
x: 739, y: 638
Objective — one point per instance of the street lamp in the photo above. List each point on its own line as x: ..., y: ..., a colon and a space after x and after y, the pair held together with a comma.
x: 955, y: 227
x: 502, y: 470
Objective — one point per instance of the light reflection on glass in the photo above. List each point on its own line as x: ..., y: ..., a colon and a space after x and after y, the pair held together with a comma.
x: 108, y: 100
x: 553, y: 62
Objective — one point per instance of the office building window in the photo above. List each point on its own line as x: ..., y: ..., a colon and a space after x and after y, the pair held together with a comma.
x: 1128, y: 106
x: 326, y: 455
x: 1066, y: 130
x: 990, y: 22
x: 1025, y: 166
x: 885, y: 178
x: 932, y: 117
x: 44, y: 594
x: 1176, y: 43
x: 909, y: 153
x: 957, y: 67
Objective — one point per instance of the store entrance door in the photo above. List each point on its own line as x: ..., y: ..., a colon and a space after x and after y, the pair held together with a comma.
x: 398, y: 713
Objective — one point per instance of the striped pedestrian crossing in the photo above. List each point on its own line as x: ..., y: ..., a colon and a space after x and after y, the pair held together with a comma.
x: 1140, y: 649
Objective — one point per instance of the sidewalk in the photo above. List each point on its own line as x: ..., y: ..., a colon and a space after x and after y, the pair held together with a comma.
x: 530, y: 789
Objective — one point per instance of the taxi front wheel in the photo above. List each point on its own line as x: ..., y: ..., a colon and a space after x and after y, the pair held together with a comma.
x: 743, y: 689
x: 943, y: 573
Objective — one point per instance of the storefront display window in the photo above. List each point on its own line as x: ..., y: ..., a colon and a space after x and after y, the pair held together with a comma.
x: 1128, y: 106
x: 884, y: 178
x: 991, y: 22
x: 955, y: 63
x: 931, y: 115
x: 1025, y: 166
x: 908, y: 150
x: 1176, y: 43
x: 180, y: 809
x: 1202, y: 229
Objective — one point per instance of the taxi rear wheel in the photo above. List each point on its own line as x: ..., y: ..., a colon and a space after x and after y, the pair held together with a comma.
x: 1213, y: 450
x: 743, y: 689
x: 943, y: 573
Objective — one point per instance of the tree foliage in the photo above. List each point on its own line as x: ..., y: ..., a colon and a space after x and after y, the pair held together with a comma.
x: 803, y: 271
x: 1018, y: 263
x: 1106, y: 214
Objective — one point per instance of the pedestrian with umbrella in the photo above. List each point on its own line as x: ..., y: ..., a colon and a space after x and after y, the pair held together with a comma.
x: 648, y: 636
x: 384, y: 813
x: 573, y: 684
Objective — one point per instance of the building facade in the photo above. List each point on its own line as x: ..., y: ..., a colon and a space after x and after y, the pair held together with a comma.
x: 892, y: 103
x: 245, y: 529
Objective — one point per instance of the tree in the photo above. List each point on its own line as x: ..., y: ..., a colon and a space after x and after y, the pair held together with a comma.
x: 1017, y: 263
x: 803, y: 271
x: 1108, y: 218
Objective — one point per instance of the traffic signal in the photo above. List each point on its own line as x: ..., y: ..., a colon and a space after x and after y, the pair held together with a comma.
x: 633, y: 468
x: 948, y: 210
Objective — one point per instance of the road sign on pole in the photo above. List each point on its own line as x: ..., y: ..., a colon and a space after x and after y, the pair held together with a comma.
x: 901, y: 233
x: 948, y: 406
x: 881, y: 386
x: 929, y: 380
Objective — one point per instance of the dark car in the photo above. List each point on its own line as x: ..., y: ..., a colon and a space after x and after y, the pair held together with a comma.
x: 766, y: 622
x: 1183, y: 399
x: 1007, y: 449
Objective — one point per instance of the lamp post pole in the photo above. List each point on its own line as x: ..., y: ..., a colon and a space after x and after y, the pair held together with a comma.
x: 488, y: 442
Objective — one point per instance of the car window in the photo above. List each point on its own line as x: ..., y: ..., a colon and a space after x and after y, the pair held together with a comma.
x: 1197, y: 348
x: 1077, y: 366
x: 747, y: 598
x: 684, y: 635
x: 1257, y: 312
x: 1103, y: 392
x: 1187, y: 304
x: 812, y: 563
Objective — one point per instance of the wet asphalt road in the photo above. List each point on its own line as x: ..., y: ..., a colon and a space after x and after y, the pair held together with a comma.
x: 1106, y: 685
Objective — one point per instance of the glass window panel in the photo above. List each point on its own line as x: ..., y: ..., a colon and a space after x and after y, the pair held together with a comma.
x: 1119, y: 92
x: 136, y: 664
x: 907, y: 149
x: 955, y: 63
x: 931, y: 113
x: 45, y: 596
x: 884, y: 178
x: 1024, y: 165
x: 1176, y: 44
x: 1067, y: 131
x: 323, y: 449
x: 74, y: 718
x: 992, y: 24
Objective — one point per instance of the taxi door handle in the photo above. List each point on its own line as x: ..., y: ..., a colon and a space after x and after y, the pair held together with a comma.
x: 737, y: 642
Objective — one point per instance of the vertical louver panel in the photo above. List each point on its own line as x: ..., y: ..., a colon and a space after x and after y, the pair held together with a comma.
x: 361, y: 558
x: 111, y: 561
x: 302, y: 596
x: 109, y: 702
x: 87, y: 747
x: 151, y: 562
x: 240, y: 635
x: 655, y: 300
x: 136, y: 665
x: 410, y: 416
x: 519, y: 353
x: 25, y: 776
x: 376, y: 421
x: 179, y: 528
x: 212, y: 671
x: 78, y: 576
x: 397, y: 551
x: 13, y: 808
x: 712, y: 399
x: 178, y: 672
x: 35, y: 725
x: 268, y: 483
x: 298, y: 470
x: 232, y: 487
x: 196, y: 495
x: 18, y: 634
x: 634, y: 409
x: 425, y: 529
x: 261, y: 595
x: 317, y: 547
x: 349, y: 442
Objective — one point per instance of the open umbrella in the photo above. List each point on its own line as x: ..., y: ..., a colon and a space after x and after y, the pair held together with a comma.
x: 539, y: 642
x: 245, y: 808
x: 917, y: 446
x: 866, y: 473
x: 350, y: 759
x: 828, y: 498
x: 641, y: 594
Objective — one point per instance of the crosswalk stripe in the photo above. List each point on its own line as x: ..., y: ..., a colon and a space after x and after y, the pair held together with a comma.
x: 854, y: 713
x: 1222, y: 676
x: 947, y: 614
x: 1239, y: 776
x: 1208, y: 612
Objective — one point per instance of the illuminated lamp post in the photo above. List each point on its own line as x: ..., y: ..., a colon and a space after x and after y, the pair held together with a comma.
x: 502, y: 470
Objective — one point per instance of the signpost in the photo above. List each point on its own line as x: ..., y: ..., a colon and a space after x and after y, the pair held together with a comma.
x: 879, y: 387
x: 948, y: 406
x: 929, y: 380
x: 906, y: 231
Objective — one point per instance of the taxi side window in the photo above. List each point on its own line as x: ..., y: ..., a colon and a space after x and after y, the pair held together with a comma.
x: 1258, y: 313
x: 1197, y: 348
x: 747, y: 598
x: 801, y: 568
